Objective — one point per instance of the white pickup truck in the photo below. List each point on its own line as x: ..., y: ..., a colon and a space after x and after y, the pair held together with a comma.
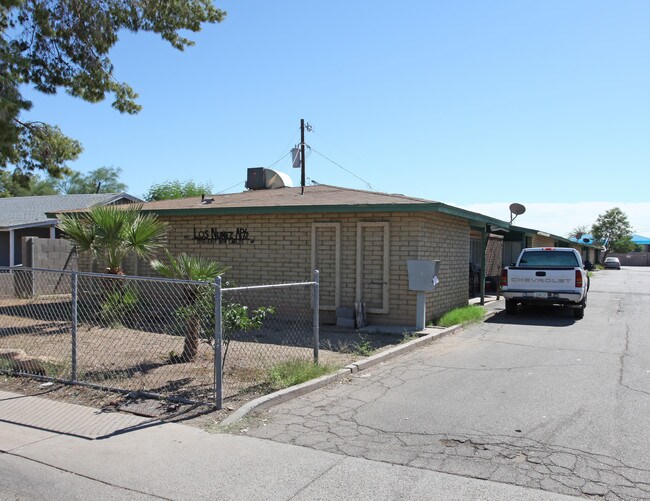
x: 546, y: 275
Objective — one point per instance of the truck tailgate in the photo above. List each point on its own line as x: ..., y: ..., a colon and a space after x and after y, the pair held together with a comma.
x: 549, y: 280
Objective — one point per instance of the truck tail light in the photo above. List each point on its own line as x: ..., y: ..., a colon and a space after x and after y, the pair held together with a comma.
x: 504, y: 278
x: 578, y: 279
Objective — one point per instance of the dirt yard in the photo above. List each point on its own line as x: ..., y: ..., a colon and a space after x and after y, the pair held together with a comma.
x: 139, y: 361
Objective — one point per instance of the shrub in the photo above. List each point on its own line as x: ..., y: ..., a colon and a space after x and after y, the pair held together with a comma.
x: 119, y: 305
x: 464, y: 315
x: 294, y: 372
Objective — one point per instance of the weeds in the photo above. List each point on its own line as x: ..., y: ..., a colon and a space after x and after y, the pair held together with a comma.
x: 294, y: 372
x: 409, y: 336
x: 363, y: 347
x: 464, y: 315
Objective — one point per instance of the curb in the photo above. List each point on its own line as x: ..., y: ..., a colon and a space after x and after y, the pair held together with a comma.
x: 285, y: 394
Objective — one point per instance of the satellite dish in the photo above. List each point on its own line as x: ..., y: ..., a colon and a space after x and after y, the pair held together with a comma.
x: 516, y: 210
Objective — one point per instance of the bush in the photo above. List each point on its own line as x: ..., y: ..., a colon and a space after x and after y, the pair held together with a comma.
x: 464, y: 315
x: 294, y: 372
x: 118, y: 306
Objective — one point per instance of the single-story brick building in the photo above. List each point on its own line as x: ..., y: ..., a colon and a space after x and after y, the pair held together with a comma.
x: 360, y: 241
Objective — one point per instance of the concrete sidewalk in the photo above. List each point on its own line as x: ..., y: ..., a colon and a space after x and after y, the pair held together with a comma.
x: 145, y: 460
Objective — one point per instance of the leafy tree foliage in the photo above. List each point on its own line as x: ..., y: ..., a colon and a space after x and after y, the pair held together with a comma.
x: 176, y: 189
x: 625, y: 245
x: 65, y: 44
x: 611, y: 228
x: 100, y: 180
x: 35, y: 185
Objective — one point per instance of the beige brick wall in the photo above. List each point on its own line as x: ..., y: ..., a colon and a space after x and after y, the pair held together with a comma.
x: 541, y: 241
x: 278, y: 249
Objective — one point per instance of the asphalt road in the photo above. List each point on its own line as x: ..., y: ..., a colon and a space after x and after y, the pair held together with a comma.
x: 537, y: 399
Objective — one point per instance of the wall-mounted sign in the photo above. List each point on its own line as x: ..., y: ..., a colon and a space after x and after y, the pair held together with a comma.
x: 217, y: 236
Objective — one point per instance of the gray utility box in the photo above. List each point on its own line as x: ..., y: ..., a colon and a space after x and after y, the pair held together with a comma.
x: 423, y: 278
x: 423, y: 275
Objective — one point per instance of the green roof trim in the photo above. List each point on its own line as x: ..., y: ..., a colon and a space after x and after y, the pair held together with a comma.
x: 312, y: 209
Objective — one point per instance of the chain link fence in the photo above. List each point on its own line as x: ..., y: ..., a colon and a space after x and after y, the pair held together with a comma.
x: 153, y: 337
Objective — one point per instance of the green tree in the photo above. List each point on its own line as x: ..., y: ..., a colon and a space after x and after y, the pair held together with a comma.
x: 100, y: 180
x: 625, y: 245
x: 199, y: 299
x: 177, y: 189
x: 64, y: 44
x: 611, y: 228
x: 110, y: 233
x: 35, y: 185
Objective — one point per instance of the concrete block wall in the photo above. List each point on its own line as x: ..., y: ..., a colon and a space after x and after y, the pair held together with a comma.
x: 48, y: 254
x: 54, y: 254
x: 277, y: 248
x: 633, y: 258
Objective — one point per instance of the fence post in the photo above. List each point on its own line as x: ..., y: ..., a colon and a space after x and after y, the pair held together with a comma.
x: 218, y: 345
x: 316, y: 308
x: 73, y: 375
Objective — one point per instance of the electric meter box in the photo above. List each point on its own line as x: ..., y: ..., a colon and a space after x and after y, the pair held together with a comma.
x: 423, y: 275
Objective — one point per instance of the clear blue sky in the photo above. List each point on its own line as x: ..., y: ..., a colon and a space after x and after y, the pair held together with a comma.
x: 465, y: 102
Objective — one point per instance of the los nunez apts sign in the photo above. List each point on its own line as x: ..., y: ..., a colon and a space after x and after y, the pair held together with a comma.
x: 217, y: 236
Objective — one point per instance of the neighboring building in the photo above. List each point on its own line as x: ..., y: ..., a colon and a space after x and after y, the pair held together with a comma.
x: 360, y: 242
x: 516, y: 238
x: 641, y: 258
x: 644, y: 242
x: 27, y: 217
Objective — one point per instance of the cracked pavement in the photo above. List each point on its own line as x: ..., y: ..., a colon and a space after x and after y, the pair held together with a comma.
x: 537, y: 400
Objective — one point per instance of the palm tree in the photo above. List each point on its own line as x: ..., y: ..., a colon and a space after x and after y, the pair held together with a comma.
x: 198, y: 299
x: 112, y: 232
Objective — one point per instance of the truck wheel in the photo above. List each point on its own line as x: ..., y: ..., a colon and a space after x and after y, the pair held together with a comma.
x: 579, y: 313
x: 511, y: 306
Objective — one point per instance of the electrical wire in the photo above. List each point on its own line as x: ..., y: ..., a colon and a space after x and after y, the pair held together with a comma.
x: 285, y: 148
x: 233, y: 186
x: 343, y: 168
x: 283, y: 156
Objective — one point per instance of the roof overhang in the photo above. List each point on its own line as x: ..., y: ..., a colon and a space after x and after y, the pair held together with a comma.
x: 39, y: 224
x: 475, y: 219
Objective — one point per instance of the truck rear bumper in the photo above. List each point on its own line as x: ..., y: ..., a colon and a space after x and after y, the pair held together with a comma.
x: 540, y: 297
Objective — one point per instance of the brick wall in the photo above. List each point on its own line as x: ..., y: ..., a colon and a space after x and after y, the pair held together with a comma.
x: 541, y: 241
x: 277, y: 248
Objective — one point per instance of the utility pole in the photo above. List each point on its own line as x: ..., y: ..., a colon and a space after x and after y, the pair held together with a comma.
x: 302, y: 156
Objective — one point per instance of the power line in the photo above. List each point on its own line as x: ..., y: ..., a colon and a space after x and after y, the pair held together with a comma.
x: 283, y: 156
x: 233, y: 186
x: 291, y: 141
x: 346, y: 170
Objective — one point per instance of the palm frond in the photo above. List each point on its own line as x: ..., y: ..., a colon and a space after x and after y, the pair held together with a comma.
x: 189, y: 267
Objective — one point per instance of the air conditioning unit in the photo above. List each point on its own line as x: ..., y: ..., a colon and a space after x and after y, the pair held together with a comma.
x: 261, y: 178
